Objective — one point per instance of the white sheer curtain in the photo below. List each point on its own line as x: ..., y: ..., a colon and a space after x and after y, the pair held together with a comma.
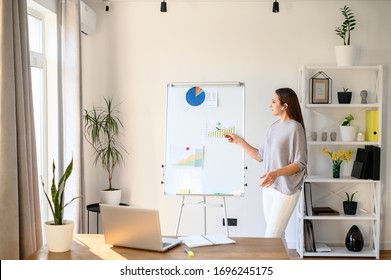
x: 71, y: 108
x: 20, y: 220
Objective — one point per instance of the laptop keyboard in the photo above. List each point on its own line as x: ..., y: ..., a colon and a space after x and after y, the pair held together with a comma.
x: 165, y: 244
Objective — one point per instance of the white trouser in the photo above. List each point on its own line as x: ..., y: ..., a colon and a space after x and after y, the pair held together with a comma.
x: 278, y: 208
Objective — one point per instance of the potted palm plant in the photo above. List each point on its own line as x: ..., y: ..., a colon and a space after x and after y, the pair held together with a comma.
x: 59, y: 232
x: 348, y: 132
x: 101, y: 129
x: 346, y: 54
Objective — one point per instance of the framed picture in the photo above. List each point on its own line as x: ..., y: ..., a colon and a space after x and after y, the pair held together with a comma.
x: 320, y: 89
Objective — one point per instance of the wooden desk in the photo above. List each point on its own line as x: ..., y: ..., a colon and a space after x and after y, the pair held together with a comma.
x: 92, y: 247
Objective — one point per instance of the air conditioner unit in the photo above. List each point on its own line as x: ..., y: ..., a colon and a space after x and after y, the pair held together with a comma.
x: 87, y: 19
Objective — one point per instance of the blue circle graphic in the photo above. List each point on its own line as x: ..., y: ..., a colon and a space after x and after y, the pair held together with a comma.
x: 195, y: 96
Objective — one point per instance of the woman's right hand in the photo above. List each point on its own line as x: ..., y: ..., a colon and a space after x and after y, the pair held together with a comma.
x: 232, y: 138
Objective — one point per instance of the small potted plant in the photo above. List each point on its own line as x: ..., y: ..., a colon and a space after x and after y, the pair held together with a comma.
x: 59, y: 232
x: 346, y: 53
x: 345, y: 96
x: 348, y: 132
x: 101, y: 129
x: 350, y: 206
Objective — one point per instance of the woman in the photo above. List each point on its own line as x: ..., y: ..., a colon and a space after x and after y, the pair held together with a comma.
x: 284, y: 155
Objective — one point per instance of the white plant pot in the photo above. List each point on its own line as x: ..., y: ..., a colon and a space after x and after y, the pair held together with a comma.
x: 346, y: 55
x: 348, y: 133
x: 110, y: 197
x: 59, y: 237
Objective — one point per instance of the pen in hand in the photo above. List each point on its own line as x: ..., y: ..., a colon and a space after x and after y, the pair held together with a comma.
x: 189, y: 252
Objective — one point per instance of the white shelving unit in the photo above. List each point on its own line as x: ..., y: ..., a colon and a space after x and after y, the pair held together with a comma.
x: 326, y: 190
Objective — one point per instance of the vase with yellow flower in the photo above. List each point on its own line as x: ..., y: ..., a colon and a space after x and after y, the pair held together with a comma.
x: 337, y: 158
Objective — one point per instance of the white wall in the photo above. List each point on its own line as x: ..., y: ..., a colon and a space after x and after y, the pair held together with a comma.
x: 136, y: 50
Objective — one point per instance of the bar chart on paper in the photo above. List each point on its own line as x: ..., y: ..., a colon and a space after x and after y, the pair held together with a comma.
x: 191, y: 156
x: 221, y: 132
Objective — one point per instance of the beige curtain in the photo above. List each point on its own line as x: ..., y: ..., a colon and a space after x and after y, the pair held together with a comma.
x: 71, y: 108
x: 20, y: 222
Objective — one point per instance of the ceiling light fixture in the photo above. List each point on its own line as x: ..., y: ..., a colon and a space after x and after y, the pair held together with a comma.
x: 163, y: 6
x: 107, y: 5
x: 276, y: 7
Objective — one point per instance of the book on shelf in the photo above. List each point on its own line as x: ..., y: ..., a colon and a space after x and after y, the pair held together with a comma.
x: 308, y: 199
x: 309, y: 238
x: 322, y: 247
x: 324, y: 211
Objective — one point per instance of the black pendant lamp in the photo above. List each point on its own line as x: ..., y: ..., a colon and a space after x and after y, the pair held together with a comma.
x: 163, y: 6
x: 276, y: 7
x: 107, y: 5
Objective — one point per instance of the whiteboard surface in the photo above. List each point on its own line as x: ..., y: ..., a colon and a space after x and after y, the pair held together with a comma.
x: 198, y: 159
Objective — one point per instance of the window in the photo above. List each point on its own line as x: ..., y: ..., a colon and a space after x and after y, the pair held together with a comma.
x: 43, y: 62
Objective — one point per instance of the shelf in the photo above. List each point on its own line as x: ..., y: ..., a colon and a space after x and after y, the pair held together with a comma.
x: 342, y: 143
x: 343, y: 217
x: 334, y: 67
x: 344, y: 106
x: 343, y: 179
x: 329, y: 191
x: 343, y: 252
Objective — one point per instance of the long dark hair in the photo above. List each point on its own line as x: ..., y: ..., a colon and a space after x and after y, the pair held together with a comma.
x: 289, y: 96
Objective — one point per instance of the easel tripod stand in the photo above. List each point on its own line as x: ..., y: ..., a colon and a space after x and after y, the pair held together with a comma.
x: 203, y: 204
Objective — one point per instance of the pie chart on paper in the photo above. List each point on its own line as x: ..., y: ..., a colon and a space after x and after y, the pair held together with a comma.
x: 195, y: 96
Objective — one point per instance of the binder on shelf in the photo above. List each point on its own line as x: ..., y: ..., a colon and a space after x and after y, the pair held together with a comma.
x: 372, y: 125
x: 362, y: 156
x: 357, y: 169
x: 373, y: 162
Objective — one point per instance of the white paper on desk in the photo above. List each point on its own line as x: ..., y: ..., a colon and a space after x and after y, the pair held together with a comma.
x: 206, y: 240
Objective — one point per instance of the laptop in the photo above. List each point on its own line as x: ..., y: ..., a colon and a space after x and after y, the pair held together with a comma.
x: 132, y: 227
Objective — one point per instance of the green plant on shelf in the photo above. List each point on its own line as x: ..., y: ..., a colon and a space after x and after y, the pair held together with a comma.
x: 347, y: 25
x: 347, y: 120
x: 349, y: 197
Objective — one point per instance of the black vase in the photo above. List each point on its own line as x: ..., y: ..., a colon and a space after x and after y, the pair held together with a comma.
x: 354, y: 240
x: 344, y: 97
x: 350, y: 207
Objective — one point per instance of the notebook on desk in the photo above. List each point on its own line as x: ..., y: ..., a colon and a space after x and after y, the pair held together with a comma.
x: 132, y: 227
